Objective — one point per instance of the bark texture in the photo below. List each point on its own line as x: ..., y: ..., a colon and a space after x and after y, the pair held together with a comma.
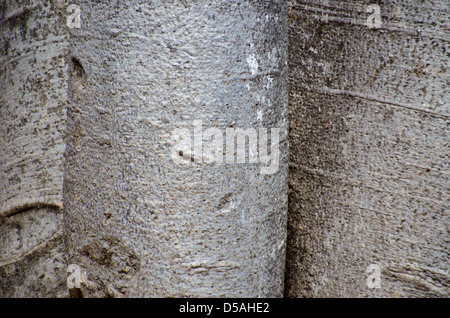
x: 33, y: 92
x: 368, y: 162
x: 369, y: 137
x: 139, y: 223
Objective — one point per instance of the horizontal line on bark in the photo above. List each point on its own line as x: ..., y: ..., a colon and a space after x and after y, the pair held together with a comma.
x: 40, y: 246
x: 419, y: 268
x: 360, y: 8
x: 333, y: 91
x: 11, y: 159
x: 24, y: 207
x: 378, y: 212
x: 411, y: 275
x: 374, y: 174
x: 342, y: 15
x: 21, y: 11
x: 358, y: 182
x: 35, y: 46
x: 253, y: 76
x: 212, y: 265
x: 74, y: 32
x: 321, y: 7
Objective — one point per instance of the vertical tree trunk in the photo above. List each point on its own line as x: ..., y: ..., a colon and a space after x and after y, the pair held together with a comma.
x: 33, y: 46
x: 138, y: 222
x: 369, y: 150
x: 149, y: 215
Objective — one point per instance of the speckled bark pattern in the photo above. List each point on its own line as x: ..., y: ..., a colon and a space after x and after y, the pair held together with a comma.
x: 368, y: 148
x: 134, y: 217
x: 369, y: 152
x: 33, y: 93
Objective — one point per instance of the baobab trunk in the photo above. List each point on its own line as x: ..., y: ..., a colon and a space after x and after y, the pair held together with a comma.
x: 33, y: 93
x: 368, y: 202
x: 146, y: 214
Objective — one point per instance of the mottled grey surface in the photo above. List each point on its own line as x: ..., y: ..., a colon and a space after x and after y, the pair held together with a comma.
x: 33, y: 93
x: 32, y: 257
x: 368, y: 162
x: 134, y: 217
x: 369, y: 156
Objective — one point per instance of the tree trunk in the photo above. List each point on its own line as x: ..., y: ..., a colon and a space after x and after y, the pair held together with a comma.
x: 158, y: 203
x: 33, y: 47
x: 143, y: 75
x: 369, y: 150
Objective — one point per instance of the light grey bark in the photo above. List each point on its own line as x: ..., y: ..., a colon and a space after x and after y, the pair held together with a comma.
x: 368, y: 156
x: 369, y: 159
x: 33, y: 46
x: 140, y: 224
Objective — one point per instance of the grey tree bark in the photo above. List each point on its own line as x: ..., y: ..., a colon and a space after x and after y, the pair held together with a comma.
x: 368, y: 159
x: 141, y: 225
x: 369, y: 164
x: 33, y: 93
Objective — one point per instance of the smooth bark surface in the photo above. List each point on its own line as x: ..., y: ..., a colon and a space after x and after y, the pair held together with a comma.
x: 369, y: 151
x: 368, y: 154
x: 33, y: 93
x: 140, y: 224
